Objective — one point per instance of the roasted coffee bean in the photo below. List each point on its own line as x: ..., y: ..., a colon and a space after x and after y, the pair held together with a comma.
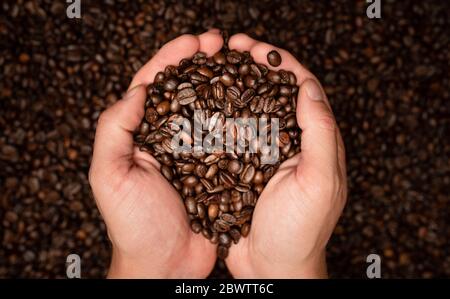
x: 225, y: 239
x: 224, y: 207
x: 201, y: 170
x: 196, y: 226
x: 201, y: 211
x: 214, y: 238
x: 274, y: 77
x: 151, y: 115
x: 213, y: 211
x: 234, y: 57
x: 205, y: 71
x: 234, y: 166
x: 221, y: 225
x: 211, y: 159
x: 245, y: 229
x: 233, y: 93
x: 199, y: 58
x: 186, y: 96
x: 248, y: 173
x: 222, y: 252
x: 235, y: 235
x: 212, y: 171
x: 258, y: 178
x: 197, y: 78
x: 227, y: 79
x: 167, y: 172
x: 230, y: 219
x: 222, y: 164
x: 191, y: 205
x: 163, y: 108
x: 227, y: 179
x: 190, y: 181
x: 206, y: 232
x: 250, y: 81
x: 248, y: 95
x: 218, y: 91
x: 219, y: 58
x: 170, y: 84
x: 274, y: 58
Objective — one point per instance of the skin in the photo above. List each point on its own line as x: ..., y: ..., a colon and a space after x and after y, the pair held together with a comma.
x: 146, y: 220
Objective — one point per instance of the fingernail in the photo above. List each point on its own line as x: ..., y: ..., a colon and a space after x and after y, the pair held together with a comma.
x: 313, y: 90
x: 130, y: 93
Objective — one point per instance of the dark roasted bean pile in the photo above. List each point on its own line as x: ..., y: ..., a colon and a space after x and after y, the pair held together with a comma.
x: 220, y: 188
x: 387, y: 81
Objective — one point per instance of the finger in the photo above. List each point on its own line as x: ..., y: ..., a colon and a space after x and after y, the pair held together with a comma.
x: 210, y: 42
x: 241, y: 42
x: 319, y: 130
x: 170, y: 54
x: 113, y: 146
x: 259, y: 51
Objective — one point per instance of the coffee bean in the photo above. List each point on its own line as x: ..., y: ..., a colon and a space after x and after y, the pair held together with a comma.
x: 191, y: 205
x: 214, y: 238
x: 167, y: 172
x: 227, y: 79
x: 250, y: 81
x: 235, y: 235
x: 213, y: 211
x: 186, y: 96
x: 225, y: 239
x: 222, y: 252
x: 219, y: 58
x: 205, y: 71
x: 245, y: 229
x: 151, y: 115
x: 190, y: 181
x: 201, y: 170
x: 196, y: 226
x: 235, y: 167
x: 201, y: 211
x: 233, y: 93
x: 212, y: 171
x: 206, y: 232
x: 163, y: 108
x: 230, y: 219
x: 248, y: 173
x: 234, y: 57
x: 274, y: 58
x: 248, y: 95
x: 170, y: 84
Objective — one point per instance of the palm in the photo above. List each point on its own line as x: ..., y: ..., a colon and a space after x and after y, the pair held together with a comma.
x: 150, y: 219
x: 283, y: 224
x: 146, y: 220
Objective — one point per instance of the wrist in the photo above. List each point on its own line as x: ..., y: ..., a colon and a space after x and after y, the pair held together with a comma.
x: 313, y: 267
x: 123, y: 266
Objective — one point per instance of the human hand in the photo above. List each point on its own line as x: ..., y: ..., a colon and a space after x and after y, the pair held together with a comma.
x: 144, y: 215
x: 300, y: 206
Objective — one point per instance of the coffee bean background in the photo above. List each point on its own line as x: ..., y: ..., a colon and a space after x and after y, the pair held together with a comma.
x: 386, y: 79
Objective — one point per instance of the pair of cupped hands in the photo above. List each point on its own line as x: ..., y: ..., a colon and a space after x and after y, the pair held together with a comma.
x: 145, y: 217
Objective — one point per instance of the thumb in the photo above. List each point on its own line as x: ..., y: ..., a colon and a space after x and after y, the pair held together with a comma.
x: 114, y: 146
x: 315, y: 118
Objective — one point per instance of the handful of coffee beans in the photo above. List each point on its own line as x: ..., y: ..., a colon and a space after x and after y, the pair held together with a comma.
x: 207, y: 122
